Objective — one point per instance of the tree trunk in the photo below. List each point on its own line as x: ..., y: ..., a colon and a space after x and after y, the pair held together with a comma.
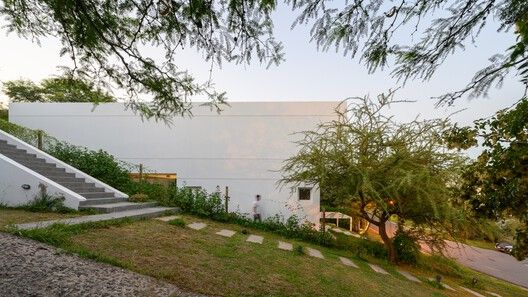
x: 382, y: 230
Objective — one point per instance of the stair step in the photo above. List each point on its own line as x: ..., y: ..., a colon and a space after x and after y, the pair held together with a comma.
x: 98, y: 201
x: 97, y: 195
x: 118, y: 207
x: 86, y: 189
x: 62, y: 180
x: 17, y: 154
x: 53, y: 172
x: 136, y: 213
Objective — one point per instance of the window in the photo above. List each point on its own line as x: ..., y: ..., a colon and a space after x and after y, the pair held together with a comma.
x: 305, y: 193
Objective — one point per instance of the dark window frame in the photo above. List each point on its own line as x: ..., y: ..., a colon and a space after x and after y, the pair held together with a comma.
x: 301, y: 193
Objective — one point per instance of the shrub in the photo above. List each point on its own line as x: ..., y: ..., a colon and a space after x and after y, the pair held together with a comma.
x: 298, y: 250
x: 98, y: 164
x: 138, y: 198
x: 361, y: 247
x: 406, y: 247
x: 156, y: 192
x: 178, y: 222
x: 47, y: 203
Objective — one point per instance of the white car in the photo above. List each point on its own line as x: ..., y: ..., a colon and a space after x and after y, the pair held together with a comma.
x: 504, y: 247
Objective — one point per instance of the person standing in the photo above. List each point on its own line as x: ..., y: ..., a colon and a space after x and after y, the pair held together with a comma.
x: 257, y: 208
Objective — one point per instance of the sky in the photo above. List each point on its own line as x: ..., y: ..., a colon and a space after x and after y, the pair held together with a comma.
x: 306, y: 75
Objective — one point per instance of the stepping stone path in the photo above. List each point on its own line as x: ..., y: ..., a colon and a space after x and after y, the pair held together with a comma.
x: 285, y: 246
x: 255, y: 239
x: 169, y: 218
x: 493, y: 294
x: 197, y: 226
x: 314, y: 253
x: 409, y: 276
x: 472, y: 292
x: 443, y: 284
x: 226, y: 233
x: 348, y: 262
x: 378, y: 269
x: 337, y: 230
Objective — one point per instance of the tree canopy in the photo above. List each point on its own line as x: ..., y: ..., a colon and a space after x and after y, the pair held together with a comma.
x: 57, y: 89
x: 496, y: 183
x: 108, y: 40
x: 367, y: 161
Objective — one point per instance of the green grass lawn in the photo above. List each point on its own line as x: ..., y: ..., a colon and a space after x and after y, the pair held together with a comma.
x: 204, y: 262
x: 10, y: 216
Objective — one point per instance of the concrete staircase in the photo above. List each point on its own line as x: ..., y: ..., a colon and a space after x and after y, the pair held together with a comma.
x: 96, y: 198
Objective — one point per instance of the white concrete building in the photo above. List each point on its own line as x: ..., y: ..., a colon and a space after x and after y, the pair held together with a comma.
x: 241, y: 148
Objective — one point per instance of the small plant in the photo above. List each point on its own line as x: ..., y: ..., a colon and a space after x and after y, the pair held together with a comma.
x: 298, y: 250
x: 407, y: 248
x: 436, y: 284
x: 138, y: 198
x: 44, y: 202
x: 244, y: 231
x: 177, y: 222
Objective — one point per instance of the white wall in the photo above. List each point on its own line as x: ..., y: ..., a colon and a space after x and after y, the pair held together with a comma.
x: 242, y: 148
x: 14, y: 175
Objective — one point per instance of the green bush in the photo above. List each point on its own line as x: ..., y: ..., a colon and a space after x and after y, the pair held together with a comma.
x: 298, y: 250
x: 177, y: 222
x: 361, y: 247
x: 47, y: 203
x: 4, y: 113
x: 407, y: 248
x: 138, y: 198
x: 98, y: 164
x: 156, y: 192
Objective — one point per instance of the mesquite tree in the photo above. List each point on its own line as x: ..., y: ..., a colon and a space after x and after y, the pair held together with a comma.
x: 109, y: 40
x: 367, y: 160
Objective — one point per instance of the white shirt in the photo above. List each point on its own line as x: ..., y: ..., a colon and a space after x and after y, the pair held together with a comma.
x: 256, y: 207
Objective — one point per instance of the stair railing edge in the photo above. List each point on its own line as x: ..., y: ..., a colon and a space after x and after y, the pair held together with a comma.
x: 78, y: 173
x: 40, y: 177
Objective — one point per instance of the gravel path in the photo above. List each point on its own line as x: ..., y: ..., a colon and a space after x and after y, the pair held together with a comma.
x: 30, y: 268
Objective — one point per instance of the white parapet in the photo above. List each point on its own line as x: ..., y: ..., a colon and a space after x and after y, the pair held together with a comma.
x: 50, y: 159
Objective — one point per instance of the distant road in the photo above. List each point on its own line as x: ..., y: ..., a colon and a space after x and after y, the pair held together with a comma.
x: 491, y: 262
x: 494, y: 263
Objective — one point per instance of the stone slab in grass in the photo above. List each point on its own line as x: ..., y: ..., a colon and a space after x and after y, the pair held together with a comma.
x: 255, y: 239
x: 314, y: 253
x: 443, y: 284
x: 409, y: 276
x: 285, y: 246
x: 378, y: 269
x: 169, y: 218
x: 348, y: 262
x: 226, y: 233
x: 472, y: 292
x: 337, y: 230
x: 493, y: 294
x: 197, y: 226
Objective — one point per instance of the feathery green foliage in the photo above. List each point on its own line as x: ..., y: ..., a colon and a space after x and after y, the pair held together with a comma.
x: 106, y: 41
x: 58, y: 89
x: 378, y: 168
x: 496, y: 183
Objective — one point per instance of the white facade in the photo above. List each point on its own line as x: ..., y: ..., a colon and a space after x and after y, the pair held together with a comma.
x: 241, y: 148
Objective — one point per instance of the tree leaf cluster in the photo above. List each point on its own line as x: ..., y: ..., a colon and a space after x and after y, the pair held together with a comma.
x: 57, y: 89
x: 496, y: 183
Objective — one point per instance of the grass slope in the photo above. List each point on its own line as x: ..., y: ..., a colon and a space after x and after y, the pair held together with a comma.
x: 204, y: 262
